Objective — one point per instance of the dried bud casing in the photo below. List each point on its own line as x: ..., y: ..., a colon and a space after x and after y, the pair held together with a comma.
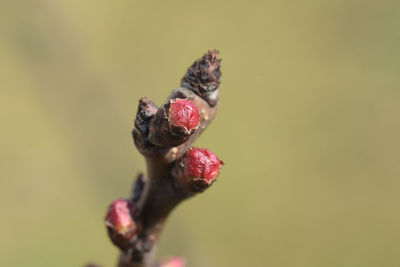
x: 197, y: 170
x: 146, y: 110
x: 204, y: 77
x: 174, y: 123
x: 120, y: 224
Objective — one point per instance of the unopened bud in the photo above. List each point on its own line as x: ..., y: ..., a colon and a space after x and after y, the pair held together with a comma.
x: 183, y: 115
x: 174, y: 123
x: 204, y: 77
x: 120, y: 224
x: 197, y: 170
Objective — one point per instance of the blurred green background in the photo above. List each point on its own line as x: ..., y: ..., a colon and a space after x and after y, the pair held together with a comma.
x: 308, y: 125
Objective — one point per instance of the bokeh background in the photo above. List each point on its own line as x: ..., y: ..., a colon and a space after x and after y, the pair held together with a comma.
x: 308, y: 125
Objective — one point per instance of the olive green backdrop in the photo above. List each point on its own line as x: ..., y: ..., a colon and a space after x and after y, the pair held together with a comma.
x: 308, y: 125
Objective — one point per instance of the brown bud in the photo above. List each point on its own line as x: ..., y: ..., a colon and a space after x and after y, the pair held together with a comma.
x: 146, y: 110
x: 204, y: 77
x: 174, y: 123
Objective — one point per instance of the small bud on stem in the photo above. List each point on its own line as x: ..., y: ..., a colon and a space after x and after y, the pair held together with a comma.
x: 120, y: 224
x: 183, y: 116
x: 197, y: 170
x: 204, y: 77
x: 174, y: 123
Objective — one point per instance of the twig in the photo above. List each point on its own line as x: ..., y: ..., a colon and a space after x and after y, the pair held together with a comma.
x: 175, y: 170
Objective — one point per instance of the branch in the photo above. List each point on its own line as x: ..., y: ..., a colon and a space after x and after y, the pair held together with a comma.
x: 175, y: 170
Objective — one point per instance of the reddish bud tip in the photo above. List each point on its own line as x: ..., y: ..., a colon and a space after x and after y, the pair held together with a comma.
x: 197, y: 170
x: 184, y: 114
x: 119, y: 221
x: 174, y: 123
x: 174, y: 262
x: 202, y: 164
x: 119, y: 216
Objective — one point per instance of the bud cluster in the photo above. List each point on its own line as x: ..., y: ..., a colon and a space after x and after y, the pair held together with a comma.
x: 176, y: 170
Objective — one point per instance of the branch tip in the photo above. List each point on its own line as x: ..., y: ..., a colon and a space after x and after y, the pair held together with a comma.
x: 204, y: 77
x: 176, y: 171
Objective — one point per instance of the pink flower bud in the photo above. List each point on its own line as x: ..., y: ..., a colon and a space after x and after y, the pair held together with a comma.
x: 120, y: 224
x: 197, y: 170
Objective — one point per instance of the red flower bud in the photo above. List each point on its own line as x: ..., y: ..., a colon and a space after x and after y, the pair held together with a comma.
x: 174, y: 123
x: 120, y: 224
x: 201, y: 163
x: 183, y: 114
x: 197, y: 170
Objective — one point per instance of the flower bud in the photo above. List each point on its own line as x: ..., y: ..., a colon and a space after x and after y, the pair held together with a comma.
x: 174, y: 123
x: 120, y: 224
x: 183, y: 115
x: 197, y: 170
